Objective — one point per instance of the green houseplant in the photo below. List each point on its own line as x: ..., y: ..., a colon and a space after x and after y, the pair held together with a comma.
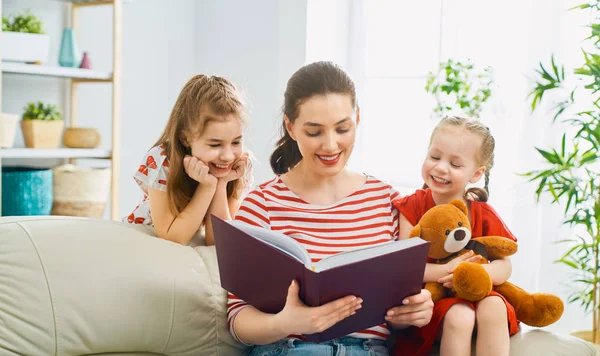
x: 24, y: 39
x: 42, y: 125
x: 571, y: 175
x: 24, y: 22
x: 459, y: 86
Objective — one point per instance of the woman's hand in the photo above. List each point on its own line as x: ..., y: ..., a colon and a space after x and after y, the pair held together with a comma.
x: 451, y: 266
x: 238, y: 169
x: 415, y: 311
x: 198, y: 171
x: 297, y: 318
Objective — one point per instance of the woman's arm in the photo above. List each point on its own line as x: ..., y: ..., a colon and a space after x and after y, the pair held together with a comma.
x: 179, y: 228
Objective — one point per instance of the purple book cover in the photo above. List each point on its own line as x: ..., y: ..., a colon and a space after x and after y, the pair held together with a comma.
x: 260, y: 274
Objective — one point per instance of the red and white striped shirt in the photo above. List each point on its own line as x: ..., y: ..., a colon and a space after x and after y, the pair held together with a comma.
x: 365, y: 217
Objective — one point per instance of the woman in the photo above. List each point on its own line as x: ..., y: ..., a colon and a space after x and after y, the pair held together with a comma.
x: 327, y: 208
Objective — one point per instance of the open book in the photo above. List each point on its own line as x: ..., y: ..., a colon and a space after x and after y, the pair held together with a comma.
x: 258, y: 265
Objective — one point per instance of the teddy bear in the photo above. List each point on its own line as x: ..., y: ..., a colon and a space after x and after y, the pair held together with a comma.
x: 446, y: 227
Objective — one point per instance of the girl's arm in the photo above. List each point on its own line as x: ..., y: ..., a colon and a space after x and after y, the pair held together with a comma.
x: 181, y: 228
x: 221, y: 206
x: 499, y: 270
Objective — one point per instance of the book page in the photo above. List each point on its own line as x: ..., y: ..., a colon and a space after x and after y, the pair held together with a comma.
x: 365, y: 253
x: 276, y: 239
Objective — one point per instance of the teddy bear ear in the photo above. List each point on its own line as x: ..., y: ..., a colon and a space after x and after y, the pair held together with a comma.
x: 415, y: 232
x: 460, y: 206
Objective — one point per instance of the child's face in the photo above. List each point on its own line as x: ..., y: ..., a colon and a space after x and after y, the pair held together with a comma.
x: 219, y: 146
x: 451, y: 161
x: 325, y: 131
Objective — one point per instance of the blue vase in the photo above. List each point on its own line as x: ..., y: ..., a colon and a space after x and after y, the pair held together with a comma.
x: 69, y: 53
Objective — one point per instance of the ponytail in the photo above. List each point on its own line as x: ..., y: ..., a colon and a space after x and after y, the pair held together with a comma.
x: 478, y: 194
x: 286, y: 155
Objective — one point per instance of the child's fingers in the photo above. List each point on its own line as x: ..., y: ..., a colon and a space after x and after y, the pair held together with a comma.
x: 445, y: 279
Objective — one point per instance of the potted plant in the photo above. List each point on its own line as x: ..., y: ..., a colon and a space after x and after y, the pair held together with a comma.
x: 459, y: 88
x: 23, y: 39
x: 8, y: 129
x: 42, y: 125
x: 571, y: 176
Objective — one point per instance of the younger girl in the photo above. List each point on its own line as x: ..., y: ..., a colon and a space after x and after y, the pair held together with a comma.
x: 198, y: 166
x: 461, y: 151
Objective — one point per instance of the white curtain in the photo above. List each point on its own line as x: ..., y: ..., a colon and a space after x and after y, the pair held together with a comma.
x: 390, y: 46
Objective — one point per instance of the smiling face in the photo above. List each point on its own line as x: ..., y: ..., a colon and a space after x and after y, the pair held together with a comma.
x: 451, y: 161
x: 325, y: 131
x: 220, y: 144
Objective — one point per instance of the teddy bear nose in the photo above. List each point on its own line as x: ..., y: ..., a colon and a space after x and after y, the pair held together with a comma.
x: 459, y: 235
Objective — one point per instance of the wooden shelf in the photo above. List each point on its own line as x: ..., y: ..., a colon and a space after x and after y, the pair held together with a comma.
x: 36, y: 153
x: 93, y: 2
x: 52, y: 71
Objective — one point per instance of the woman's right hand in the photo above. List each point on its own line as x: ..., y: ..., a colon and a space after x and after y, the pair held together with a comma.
x: 297, y: 318
x: 198, y: 171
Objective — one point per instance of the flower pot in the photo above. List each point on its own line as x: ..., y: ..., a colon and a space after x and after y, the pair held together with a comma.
x: 42, y: 133
x: 80, y: 137
x: 24, y: 47
x: 8, y: 129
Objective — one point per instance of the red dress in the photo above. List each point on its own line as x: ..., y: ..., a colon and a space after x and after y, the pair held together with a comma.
x: 484, y: 222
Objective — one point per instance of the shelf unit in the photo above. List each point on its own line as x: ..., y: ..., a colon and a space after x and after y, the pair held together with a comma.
x: 77, y: 76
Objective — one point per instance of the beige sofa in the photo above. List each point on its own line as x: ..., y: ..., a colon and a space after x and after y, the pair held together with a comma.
x: 72, y: 286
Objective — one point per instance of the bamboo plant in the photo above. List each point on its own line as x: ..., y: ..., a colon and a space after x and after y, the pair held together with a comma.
x: 571, y: 175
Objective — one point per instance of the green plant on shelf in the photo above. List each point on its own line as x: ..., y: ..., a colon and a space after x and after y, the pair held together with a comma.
x: 41, y: 111
x: 23, y: 22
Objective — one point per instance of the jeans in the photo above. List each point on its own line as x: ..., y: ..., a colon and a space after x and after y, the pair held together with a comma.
x: 344, y: 346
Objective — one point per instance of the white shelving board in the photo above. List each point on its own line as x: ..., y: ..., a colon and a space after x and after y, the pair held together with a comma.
x: 55, y: 71
x: 36, y: 153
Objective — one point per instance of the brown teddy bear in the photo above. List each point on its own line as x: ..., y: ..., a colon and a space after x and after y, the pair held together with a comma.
x: 448, y: 230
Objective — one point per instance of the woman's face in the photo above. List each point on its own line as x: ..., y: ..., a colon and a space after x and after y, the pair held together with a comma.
x: 325, y: 131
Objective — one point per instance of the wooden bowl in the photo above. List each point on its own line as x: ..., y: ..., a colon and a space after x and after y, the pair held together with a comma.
x: 81, y: 137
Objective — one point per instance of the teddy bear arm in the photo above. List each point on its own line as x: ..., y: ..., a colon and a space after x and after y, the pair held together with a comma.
x: 498, y: 246
x: 437, y: 290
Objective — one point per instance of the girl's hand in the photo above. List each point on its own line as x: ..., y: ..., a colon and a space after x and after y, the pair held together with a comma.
x: 416, y: 310
x: 297, y: 318
x: 239, y: 168
x: 451, y: 266
x: 198, y: 171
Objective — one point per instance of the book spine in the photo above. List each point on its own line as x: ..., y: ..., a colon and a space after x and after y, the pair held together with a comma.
x: 312, y: 289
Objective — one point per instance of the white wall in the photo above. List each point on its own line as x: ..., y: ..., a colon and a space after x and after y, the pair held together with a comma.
x: 257, y: 45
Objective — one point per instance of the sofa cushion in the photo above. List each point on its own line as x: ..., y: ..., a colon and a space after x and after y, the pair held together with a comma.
x: 75, y: 286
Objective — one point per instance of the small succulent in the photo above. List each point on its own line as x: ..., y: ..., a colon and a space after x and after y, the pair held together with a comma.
x: 23, y: 22
x: 41, y: 111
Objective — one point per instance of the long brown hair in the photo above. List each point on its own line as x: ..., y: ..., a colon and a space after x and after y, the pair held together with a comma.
x: 319, y: 78
x: 200, y: 96
x: 485, y: 154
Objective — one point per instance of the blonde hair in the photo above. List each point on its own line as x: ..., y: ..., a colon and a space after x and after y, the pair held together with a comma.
x: 203, y: 99
x: 485, y: 155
